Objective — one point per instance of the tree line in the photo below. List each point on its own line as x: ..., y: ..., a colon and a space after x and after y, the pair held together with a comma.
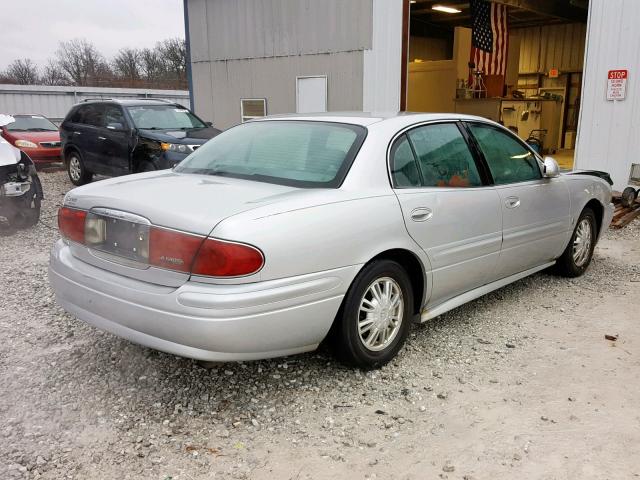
x: 78, y: 62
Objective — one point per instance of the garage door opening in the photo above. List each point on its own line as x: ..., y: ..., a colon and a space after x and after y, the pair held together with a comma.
x: 522, y: 67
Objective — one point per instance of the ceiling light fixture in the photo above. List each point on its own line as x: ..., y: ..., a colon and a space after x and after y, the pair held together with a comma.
x: 445, y: 9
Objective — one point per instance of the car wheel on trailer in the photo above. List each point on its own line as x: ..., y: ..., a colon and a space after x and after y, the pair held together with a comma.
x: 78, y: 174
x: 375, y: 317
x: 629, y: 196
x: 577, y: 256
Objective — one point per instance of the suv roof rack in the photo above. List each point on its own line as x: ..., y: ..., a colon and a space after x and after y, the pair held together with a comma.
x: 95, y: 99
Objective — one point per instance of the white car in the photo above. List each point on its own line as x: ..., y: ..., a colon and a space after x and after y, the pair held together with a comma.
x: 281, y: 232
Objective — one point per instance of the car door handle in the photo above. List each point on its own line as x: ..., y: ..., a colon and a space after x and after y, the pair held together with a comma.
x: 102, y: 138
x: 77, y: 133
x: 421, y: 214
x: 512, y: 202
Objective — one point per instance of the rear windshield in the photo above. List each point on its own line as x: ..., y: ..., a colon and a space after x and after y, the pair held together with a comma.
x: 164, y: 117
x: 31, y: 123
x: 287, y: 152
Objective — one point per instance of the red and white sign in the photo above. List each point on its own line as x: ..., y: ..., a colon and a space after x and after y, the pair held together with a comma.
x: 617, y: 84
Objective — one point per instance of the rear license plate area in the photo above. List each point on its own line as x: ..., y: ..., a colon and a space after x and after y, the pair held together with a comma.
x: 121, y: 236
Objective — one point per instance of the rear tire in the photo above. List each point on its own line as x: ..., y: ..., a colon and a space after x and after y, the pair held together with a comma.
x: 375, y: 317
x: 78, y: 173
x: 577, y: 256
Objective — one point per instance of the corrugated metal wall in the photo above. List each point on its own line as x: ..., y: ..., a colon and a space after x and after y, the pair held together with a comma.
x: 275, y: 28
x: 608, y: 130
x: 552, y: 46
x: 256, y: 48
x: 55, y: 102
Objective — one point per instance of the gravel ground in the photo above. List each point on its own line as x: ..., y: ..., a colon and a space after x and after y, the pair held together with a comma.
x: 518, y: 384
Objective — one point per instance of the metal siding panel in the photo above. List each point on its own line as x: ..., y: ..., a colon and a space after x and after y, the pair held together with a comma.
x: 198, y: 33
x: 275, y: 80
x: 607, y: 130
x: 240, y: 29
x: 55, y: 102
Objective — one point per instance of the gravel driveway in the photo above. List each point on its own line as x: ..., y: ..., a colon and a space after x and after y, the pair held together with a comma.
x: 518, y: 384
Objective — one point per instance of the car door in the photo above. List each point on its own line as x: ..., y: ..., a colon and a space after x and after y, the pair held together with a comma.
x: 535, y: 210
x: 449, y: 208
x: 114, y: 138
x: 85, y: 137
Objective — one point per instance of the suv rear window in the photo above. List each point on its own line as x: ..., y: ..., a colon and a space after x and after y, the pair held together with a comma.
x: 287, y: 152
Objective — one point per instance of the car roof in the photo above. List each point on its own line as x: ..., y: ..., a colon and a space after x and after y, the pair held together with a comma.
x: 127, y: 102
x: 369, y: 118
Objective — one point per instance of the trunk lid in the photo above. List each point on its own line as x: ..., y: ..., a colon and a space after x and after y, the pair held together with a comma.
x: 187, y: 202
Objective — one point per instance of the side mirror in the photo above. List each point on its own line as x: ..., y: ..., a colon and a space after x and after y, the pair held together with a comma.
x: 551, y: 168
x: 209, y: 124
x: 115, y: 126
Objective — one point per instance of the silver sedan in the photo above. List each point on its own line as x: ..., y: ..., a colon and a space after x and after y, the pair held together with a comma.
x: 283, y: 232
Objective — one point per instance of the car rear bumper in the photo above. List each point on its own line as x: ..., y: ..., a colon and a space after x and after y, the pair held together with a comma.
x: 203, y: 321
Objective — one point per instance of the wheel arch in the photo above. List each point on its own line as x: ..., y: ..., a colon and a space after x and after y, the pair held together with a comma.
x: 67, y: 150
x: 414, y: 268
x: 598, y: 209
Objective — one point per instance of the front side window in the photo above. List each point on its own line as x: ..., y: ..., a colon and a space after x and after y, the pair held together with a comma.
x: 509, y: 161
x: 164, y: 117
x: 443, y: 156
x: 113, y: 116
x: 287, y: 152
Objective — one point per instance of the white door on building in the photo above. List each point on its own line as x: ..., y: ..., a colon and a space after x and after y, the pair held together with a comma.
x: 311, y: 94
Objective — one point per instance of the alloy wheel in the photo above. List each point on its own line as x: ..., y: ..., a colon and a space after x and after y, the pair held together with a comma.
x: 75, y: 170
x: 582, y: 242
x: 380, y: 314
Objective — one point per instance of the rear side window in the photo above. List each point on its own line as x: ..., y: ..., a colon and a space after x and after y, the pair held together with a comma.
x: 404, y: 169
x: 509, y: 161
x: 443, y: 158
x: 88, y: 115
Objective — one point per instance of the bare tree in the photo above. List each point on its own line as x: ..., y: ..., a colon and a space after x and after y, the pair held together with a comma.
x: 81, y: 62
x: 52, y: 74
x: 126, y: 65
x: 174, y: 53
x: 22, y: 72
x: 152, y: 65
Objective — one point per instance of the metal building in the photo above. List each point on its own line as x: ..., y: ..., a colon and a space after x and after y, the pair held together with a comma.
x: 250, y: 58
x: 54, y: 102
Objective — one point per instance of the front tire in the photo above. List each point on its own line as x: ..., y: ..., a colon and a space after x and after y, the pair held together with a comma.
x: 78, y: 173
x: 577, y: 256
x: 375, y: 317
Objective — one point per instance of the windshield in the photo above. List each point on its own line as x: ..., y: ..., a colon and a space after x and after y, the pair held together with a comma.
x: 296, y: 153
x: 31, y: 123
x: 164, y: 117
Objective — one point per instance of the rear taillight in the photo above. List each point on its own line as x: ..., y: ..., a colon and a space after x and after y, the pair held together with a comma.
x: 219, y: 258
x: 71, y: 223
x: 173, y: 250
x: 170, y: 249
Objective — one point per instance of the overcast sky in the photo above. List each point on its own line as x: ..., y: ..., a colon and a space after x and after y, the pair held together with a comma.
x: 33, y: 28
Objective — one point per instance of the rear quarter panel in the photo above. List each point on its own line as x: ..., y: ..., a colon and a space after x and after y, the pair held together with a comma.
x: 341, y: 231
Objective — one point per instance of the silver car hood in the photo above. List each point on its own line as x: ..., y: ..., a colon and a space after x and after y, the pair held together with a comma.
x: 188, y: 202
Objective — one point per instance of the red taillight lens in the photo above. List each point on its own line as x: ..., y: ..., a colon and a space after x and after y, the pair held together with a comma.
x: 71, y: 223
x: 218, y: 258
x: 172, y: 250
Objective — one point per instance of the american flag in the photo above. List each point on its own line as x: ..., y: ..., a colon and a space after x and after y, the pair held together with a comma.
x: 490, y: 36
